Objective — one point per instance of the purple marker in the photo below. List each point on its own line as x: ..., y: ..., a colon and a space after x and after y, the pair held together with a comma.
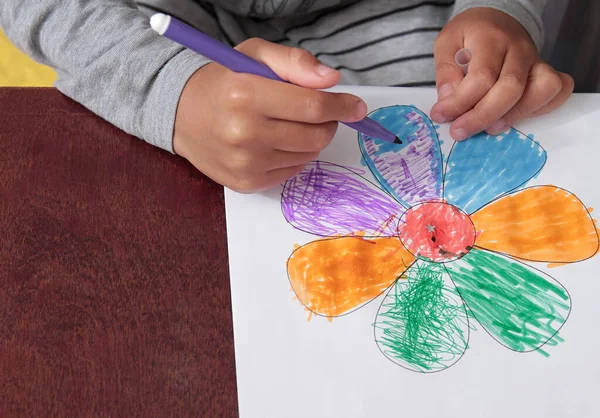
x: 233, y: 59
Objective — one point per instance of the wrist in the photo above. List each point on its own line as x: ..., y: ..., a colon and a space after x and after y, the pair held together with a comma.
x: 164, y: 102
x: 528, y: 18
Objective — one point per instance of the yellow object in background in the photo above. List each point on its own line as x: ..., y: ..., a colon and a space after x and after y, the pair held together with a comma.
x: 17, y: 69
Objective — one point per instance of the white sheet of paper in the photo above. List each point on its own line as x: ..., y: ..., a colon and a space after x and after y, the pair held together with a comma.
x: 288, y: 366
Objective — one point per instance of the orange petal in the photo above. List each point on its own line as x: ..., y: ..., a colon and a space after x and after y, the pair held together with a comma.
x: 334, y: 276
x: 544, y: 223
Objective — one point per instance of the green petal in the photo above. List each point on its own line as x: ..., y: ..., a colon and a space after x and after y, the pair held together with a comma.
x: 422, y: 324
x: 520, y: 306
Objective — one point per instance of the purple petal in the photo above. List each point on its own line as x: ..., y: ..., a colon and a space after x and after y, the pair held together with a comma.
x: 327, y: 199
x: 411, y: 171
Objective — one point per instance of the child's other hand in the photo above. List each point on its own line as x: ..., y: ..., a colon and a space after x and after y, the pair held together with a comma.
x: 506, y: 82
x: 250, y: 133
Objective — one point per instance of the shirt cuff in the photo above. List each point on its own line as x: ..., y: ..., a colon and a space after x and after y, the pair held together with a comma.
x: 164, y: 98
x: 517, y: 9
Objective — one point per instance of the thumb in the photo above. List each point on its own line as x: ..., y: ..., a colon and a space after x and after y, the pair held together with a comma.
x: 295, y: 65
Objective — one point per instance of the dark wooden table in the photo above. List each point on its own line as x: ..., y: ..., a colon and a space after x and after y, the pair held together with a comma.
x: 114, y: 285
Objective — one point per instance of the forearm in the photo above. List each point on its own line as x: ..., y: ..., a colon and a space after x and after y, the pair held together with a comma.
x: 527, y: 12
x: 107, y: 58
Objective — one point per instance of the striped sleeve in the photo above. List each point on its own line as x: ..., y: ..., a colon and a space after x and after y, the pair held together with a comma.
x: 527, y: 12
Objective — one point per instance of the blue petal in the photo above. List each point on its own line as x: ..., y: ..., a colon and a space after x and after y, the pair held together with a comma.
x: 411, y: 171
x: 484, y: 167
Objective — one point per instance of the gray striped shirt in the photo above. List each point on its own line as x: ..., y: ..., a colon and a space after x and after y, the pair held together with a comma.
x: 109, y: 60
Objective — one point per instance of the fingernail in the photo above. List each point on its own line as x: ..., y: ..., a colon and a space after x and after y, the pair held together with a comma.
x: 497, y: 127
x: 445, y: 91
x: 360, y: 109
x: 460, y: 134
x: 324, y: 70
x: 437, y: 116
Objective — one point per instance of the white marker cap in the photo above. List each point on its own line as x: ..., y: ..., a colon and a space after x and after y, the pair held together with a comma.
x: 463, y: 58
x: 160, y: 23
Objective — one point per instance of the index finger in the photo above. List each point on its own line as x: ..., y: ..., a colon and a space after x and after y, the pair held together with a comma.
x: 448, y: 74
x: 294, y: 103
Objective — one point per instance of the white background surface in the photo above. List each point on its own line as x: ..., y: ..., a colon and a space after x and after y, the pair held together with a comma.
x: 289, y: 367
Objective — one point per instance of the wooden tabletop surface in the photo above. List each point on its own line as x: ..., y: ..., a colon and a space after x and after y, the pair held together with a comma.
x: 114, y: 285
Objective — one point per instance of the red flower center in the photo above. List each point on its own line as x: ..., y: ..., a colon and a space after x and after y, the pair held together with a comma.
x: 436, y: 231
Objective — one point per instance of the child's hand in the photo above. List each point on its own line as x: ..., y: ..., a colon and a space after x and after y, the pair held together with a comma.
x: 506, y: 82
x: 250, y: 133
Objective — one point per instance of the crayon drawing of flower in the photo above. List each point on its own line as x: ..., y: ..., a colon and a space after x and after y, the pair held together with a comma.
x: 445, y: 248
